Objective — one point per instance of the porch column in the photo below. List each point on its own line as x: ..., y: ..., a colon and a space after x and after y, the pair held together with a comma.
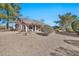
x: 35, y: 27
x: 26, y: 28
x: 20, y: 27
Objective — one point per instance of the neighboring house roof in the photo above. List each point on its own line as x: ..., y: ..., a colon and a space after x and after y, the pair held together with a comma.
x: 30, y: 22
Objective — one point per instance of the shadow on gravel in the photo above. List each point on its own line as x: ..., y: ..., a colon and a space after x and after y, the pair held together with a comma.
x: 72, y: 42
x: 67, y: 34
x: 61, y: 51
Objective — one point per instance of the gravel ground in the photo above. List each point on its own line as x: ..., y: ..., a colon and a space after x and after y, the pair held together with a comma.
x: 12, y: 44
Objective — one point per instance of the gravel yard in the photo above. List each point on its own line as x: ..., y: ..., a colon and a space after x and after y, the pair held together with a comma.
x: 12, y: 44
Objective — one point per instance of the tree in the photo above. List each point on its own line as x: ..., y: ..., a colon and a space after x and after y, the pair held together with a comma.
x: 75, y: 26
x: 66, y: 20
x: 9, y: 12
x: 42, y: 20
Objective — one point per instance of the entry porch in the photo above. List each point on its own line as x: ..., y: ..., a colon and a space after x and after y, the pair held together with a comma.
x: 29, y: 28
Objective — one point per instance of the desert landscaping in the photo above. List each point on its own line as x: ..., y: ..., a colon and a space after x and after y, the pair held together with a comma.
x: 39, y: 29
x: 32, y: 44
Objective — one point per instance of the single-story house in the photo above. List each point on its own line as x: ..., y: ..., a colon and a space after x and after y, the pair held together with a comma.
x: 26, y: 25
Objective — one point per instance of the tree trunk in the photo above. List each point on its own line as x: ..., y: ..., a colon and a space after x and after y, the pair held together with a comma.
x: 7, y: 25
x: 63, y: 28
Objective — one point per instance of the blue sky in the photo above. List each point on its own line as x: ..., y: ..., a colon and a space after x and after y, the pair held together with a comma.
x: 48, y: 11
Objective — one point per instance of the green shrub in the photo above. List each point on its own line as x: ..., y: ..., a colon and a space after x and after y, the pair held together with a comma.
x: 75, y: 26
x: 46, y: 29
x: 2, y: 27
